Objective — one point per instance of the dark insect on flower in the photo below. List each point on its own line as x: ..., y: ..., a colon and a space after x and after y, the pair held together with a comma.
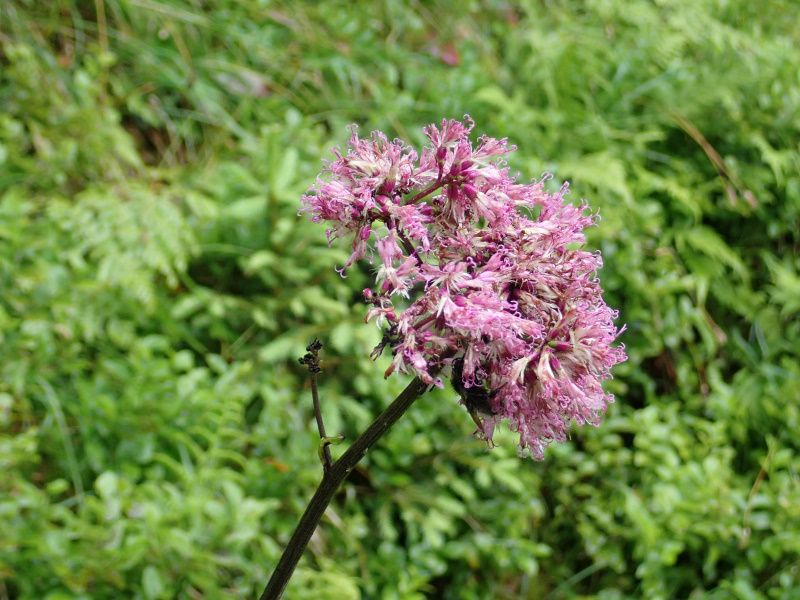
x: 390, y: 338
x: 477, y: 399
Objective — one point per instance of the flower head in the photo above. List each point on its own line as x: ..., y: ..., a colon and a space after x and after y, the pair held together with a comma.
x: 504, y: 285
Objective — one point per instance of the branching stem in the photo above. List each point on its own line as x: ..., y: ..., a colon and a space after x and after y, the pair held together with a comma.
x: 331, y: 480
x: 429, y: 190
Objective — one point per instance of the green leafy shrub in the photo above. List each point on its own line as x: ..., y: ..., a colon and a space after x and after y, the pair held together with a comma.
x: 156, y: 436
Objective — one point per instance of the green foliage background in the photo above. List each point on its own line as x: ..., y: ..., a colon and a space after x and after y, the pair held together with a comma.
x: 156, y: 435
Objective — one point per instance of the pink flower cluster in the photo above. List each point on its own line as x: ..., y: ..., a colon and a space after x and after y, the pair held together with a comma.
x: 496, y: 268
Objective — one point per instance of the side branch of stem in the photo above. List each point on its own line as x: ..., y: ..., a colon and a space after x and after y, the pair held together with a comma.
x: 331, y: 480
x: 427, y: 191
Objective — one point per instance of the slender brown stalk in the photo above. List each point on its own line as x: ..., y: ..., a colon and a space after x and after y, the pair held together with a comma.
x: 326, y: 449
x: 331, y: 480
x: 311, y: 360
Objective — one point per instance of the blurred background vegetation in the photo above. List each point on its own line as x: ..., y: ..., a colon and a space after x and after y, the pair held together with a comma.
x: 156, y: 433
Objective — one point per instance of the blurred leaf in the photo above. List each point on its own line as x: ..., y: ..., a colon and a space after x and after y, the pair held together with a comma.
x: 151, y: 582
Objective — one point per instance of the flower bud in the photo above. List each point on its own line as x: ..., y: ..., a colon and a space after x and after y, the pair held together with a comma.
x: 470, y: 191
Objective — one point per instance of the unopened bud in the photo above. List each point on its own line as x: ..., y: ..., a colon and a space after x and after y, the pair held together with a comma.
x: 470, y: 191
x: 562, y: 346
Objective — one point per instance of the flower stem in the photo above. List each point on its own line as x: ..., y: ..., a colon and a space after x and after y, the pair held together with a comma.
x: 426, y: 192
x: 311, y: 359
x: 326, y: 451
x: 331, y: 480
